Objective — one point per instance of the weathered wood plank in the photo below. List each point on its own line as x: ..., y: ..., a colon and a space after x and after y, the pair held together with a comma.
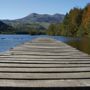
x: 17, y: 65
x: 45, y: 53
x: 45, y: 83
x: 44, y: 76
x: 47, y: 62
x: 30, y: 59
x: 44, y: 56
x: 44, y: 70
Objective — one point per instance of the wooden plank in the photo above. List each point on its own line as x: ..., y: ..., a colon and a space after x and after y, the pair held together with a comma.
x: 44, y: 70
x: 43, y: 64
x: 60, y: 47
x: 30, y: 59
x: 46, y: 53
x: 47, y: 50
x: 44, y: 76
x: 16, y: 65
x: 45, y: 83
x: 47, y: 62
x: 44, y: 56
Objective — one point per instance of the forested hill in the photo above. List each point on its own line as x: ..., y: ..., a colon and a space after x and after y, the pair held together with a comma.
x: 4, y: 28
x: 34, y: 23
x: 75, y: 24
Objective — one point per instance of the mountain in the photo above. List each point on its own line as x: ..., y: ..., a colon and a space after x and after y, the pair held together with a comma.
x: 38, y: 18
x: 34, y: 17
x: 34, y: 21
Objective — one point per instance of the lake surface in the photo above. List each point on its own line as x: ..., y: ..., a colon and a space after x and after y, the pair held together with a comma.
x: 10, y: 41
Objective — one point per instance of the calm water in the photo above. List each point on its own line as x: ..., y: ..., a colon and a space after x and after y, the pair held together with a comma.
x: 10, y: 41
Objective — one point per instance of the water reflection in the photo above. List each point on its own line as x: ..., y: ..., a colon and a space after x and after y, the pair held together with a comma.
x: 83, y: 44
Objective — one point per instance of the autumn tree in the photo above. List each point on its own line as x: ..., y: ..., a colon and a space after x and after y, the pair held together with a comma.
x: 72, y: 21
x: 86, y: 20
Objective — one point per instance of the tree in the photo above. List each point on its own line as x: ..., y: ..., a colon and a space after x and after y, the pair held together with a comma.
x: 52, y: 29
x: 72, y: 21
x: 86, y: 20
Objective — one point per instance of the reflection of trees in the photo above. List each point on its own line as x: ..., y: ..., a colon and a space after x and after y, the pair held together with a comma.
x: 82, y: 45
x: 85, y: 45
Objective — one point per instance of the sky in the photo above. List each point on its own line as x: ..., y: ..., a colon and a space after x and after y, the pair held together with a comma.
x: 14, y: 9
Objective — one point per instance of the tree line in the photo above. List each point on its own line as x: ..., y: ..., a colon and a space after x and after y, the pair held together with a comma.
x: 31, y: 29
x: 75, y: 24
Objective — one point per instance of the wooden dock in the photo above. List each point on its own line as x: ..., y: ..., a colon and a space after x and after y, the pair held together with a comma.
x: 44, y: 62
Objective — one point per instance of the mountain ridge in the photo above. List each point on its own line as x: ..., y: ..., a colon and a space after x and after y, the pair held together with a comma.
x: 35, y: 17
x: 34, y: 22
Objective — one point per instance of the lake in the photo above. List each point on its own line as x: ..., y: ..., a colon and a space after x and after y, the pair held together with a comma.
x: 10, y: 41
